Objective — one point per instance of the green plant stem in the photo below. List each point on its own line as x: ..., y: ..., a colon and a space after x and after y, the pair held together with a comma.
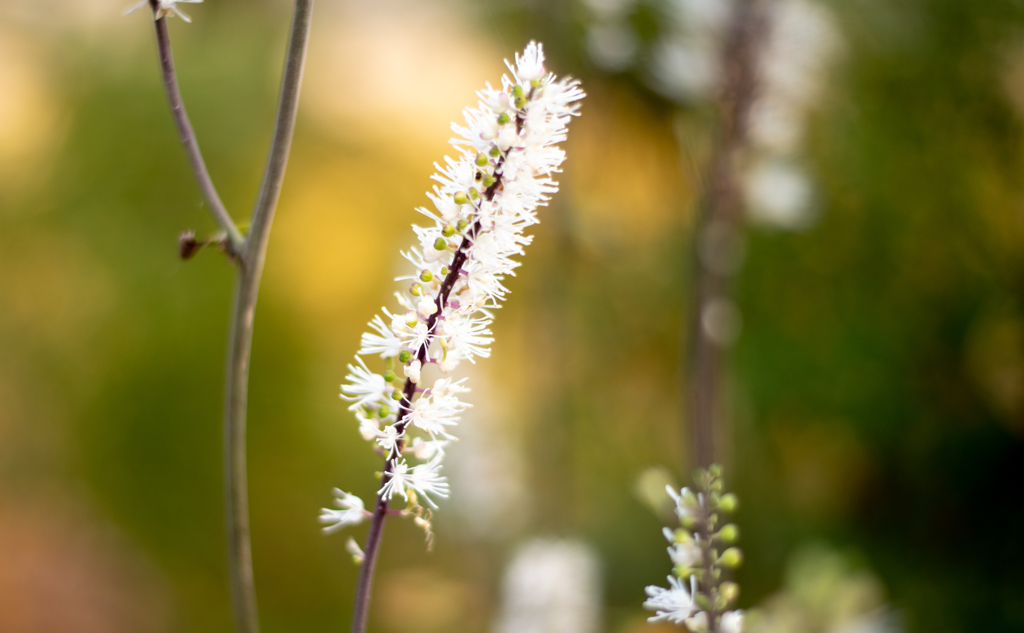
x: 249, y: 254
x: 240, y: 345
x: 234, y: 240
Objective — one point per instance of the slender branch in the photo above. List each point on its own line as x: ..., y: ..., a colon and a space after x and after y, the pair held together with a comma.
x: 234, y: 239
x: 719, y: 224
x: 250, y: 255
x: 240, y: 343
x: 263, y: 214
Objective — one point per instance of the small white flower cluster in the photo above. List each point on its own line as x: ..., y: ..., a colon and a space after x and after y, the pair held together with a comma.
x: 483, y: 202
x: 166, y: 8
x: 693, y: 548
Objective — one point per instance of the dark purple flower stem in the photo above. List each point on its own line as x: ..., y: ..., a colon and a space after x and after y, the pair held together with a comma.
x: 363, y: 587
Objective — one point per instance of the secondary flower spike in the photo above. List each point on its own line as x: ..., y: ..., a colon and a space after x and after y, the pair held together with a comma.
x: 696, y: 549
x: 408, y: 405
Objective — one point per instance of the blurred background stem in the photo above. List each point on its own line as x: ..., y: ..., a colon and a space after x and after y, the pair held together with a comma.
x: 717, y: 239
x: 249, y: 254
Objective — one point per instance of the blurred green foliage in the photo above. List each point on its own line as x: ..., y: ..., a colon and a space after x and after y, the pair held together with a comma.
x: 877, y: 389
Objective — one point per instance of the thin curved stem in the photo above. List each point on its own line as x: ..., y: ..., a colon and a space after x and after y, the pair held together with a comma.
x: 249, y: 253
x: 220, y: 214
x: 240, y: 343
x: 266, y: 204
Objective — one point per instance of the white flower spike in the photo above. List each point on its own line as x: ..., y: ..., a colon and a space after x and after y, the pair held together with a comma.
x: 696, y: 553
x: 485, y: 198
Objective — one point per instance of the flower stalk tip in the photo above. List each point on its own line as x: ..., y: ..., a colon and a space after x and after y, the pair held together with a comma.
x: 705, y: 602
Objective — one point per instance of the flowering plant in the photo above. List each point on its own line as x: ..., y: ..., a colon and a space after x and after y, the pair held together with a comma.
x: 694, y: 550
x: 483, y: 202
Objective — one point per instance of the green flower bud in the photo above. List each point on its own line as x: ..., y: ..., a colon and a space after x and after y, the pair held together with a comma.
x: 731, y: 557
x: 682, y: 536
x: 728, y: 503
x: 488, y: 180
x: 503, y: 118
x: 444, y: 270
x: 730, y: 591
x: 416, y: 290
x: 535, y: 83
x: 389, y: 376
x: 461, y: 225
x: 460, y: 198
x: 520, y: 103
x: 448, y: 230
x: 440, y: 244
x: 396, y: 394
x: 729, y: 533
x: 681, y: 571
x: 404, y: 356
x: 481, y: 160
x: 384, y: 411
x: 702, y: 602
x: 517, y: 91
x: 426, y: 275
x: 494, y: 151
x: 473, y: 193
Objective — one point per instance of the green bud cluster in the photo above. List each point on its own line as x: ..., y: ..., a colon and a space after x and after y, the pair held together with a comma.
x: 701, y: 535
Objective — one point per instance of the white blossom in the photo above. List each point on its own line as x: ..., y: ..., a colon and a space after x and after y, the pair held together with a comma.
x: 687, y: 504
x: 352, y: 512
x: 698, y: 622
x: 426, y: 479
x: 385, y: 342
x: 357, y: 552
x: 732, y: 622
x: 687, y: 553
x: 388, y: 437
x: 166, y: 8
x: 674, y: 604
x: 412, y: 370
x: 484, y: 199
x: 425, y: 449
x: 363, y: 387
